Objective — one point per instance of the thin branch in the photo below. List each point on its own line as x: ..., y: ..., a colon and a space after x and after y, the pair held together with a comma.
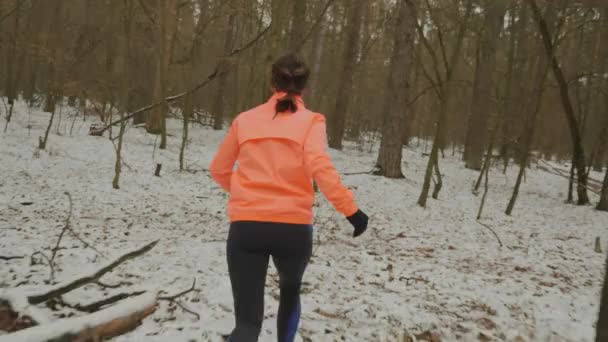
x: 443, y: 50
x: 112, y: 286
x: 425, y: 41
x: 74, y: 284
x: 316, y: 23
x: 177, y: 295
x: 492, y: 230
x: 2, y: 257
x: 48, y: 260
x: 214, y: 74
x: 98, y: 305
x: 66, y: 227
x: 186, y: 309
x: 12, y: 11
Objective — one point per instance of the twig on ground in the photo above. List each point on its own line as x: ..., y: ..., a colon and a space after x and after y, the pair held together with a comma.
x: 177, y: 295
x: 7, y: 258
x: 186, y: 309
x: 48, y: 260
x: 76, y: 283
x: 98, y: 305
x: 493, y: 232
x: 113, y: 286
x: 66, y: 227
x: 173, y: 299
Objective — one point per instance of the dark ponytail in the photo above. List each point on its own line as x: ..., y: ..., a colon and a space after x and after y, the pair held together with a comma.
x: 289, y: 75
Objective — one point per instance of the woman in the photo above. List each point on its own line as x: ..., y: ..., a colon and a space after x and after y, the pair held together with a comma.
x: 280, y: 148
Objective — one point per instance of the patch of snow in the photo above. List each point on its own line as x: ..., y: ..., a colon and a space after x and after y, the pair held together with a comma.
x: 414, y: 270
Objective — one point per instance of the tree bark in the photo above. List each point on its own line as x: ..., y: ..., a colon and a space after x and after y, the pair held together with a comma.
x: 11, y: 73
x: 126, y: 56
x: 533, y: 106
x: 602, y: 322
x: 157, y: 122
x: 397, y: 95
x: 337, y: 119
x: 298, y: 24
x: 484, y: 85
x: 603, y: 204
x: 219, y: 105
x: 441, y: 84
x: 578, y: 150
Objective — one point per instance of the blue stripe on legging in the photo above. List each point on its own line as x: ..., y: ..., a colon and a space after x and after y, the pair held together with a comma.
x: 292, y: 323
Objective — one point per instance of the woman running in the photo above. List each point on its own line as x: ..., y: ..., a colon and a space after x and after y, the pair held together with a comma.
x: 280, y: 148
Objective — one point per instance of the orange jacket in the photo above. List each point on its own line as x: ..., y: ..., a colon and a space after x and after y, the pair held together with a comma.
x: 277, y: 158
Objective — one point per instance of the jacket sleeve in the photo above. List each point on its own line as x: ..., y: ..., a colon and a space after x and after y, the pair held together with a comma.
x: 323, y: 171
x: 222, y: 165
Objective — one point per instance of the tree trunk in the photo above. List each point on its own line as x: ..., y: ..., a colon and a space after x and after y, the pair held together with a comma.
x: 157, y: 121
x: 484, y: 85
x: 219, y: 104
x: 533, y: 106
x: 337, y: 119
x: 317, y: 59
x: 443, y: 90
x: 603, y: 204
x: 599, y: 160
x: 397, y: 95
x: 602, y: 322
x: 298, y: 24
x: 11, y: 73
x: 575, y: 132
x: 126, y: 56
x: 518, y: 53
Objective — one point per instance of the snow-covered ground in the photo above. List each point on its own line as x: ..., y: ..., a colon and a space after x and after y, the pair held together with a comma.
x: 416, y: 270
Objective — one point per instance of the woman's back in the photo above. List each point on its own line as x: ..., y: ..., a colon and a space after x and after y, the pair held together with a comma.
x: 271, y: 183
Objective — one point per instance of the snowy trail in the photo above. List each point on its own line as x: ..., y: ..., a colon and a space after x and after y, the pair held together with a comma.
x: 418, y: 269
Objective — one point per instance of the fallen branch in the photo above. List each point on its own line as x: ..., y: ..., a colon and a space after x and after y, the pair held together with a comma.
x: 78, y: 282
x: 493, y: 232
x: 96, y: 306
x: 66, y: 226
x: 175, y: 296
x: 593, y: 184
x: 101, y: 325
x: 212, y: 76
x: 113, y: 286
x: 173, y: 299
x: 2, y: 257
x: 48, y: 260
x: 186, y: 309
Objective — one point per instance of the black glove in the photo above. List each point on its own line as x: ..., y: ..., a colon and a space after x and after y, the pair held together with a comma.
x: 359, y: 221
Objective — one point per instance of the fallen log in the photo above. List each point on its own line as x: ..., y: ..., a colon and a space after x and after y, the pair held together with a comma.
x: 113, y: 321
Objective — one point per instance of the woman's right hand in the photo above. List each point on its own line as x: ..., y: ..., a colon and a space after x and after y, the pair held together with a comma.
x: 358, y: 220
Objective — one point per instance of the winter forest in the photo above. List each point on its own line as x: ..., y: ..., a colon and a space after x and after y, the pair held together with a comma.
x: 473, y: 132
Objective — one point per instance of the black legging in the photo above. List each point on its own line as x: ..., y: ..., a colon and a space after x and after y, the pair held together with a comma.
x: 249, y: 246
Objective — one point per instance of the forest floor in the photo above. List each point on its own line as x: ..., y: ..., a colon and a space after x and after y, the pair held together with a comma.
x: 417, y: 270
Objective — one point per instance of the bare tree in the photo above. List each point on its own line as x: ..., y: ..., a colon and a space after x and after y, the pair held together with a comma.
x: 532, y: 107
x: 11, y: 65
x: 441, y: 85
x: 337, y: 119
x: 396, y: 99
x: 578, y: 150
x: 483, y: 88
x: 220, y: 97
x: 125, y: 86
